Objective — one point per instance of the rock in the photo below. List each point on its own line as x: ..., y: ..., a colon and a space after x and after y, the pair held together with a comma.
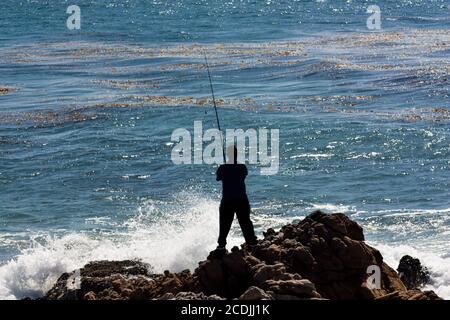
x: 227, y: 276
x: 269, y: 232
x: 414, y: 294
x: 412, y: 273
x: 299, y: 288
x: 422, y: 295
x: 332, y: 254
x: 255, y: 293
x: 6, y: 90
x: 90, y: 296
x: 115, y: 280
x: 324, y: 256
x: 62, y: 290
x: 99, y: 269
x: 263, y: 273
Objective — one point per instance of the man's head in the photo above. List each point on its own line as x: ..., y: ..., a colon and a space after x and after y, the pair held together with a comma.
x: 232, y: 154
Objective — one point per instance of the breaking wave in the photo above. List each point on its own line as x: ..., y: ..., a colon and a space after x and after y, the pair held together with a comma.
x: 438, y: 265
x: 173, y: 236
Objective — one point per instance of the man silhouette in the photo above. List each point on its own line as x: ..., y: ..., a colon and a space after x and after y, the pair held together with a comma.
x: 234, y: 199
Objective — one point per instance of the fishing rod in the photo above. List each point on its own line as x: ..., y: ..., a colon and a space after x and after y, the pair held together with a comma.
x: 215, y: 106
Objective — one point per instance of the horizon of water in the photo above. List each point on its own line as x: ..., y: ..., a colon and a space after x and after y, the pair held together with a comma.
x: 85, y: 168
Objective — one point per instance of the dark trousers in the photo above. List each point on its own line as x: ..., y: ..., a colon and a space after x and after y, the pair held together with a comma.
x: 242, y: 209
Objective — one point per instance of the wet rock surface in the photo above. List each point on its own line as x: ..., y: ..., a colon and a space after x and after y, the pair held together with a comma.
x: 323, y: 256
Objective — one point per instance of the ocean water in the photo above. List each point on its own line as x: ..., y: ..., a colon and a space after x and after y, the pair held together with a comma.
x: 85, y: 167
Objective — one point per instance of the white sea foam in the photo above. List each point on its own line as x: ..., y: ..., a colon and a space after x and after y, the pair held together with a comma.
x: 173, y: 239
x: 438, y: 265
x: 34, y: 271
x: 312, y: 155
x: 416, y: 212
x: 331, y: 208
x: 173, y: 236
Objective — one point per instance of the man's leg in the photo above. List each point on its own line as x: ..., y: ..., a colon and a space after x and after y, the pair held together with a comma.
x: 243, y: 215
x: 226, y: 214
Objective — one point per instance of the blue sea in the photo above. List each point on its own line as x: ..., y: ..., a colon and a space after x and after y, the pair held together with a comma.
x: 86, y: 118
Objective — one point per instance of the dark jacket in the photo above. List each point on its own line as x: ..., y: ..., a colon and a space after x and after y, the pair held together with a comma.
x: 233, y: 181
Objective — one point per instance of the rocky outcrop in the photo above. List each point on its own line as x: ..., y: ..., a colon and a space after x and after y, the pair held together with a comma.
x: 323, y: 256
x: 117, y: 280
x: 412, y: 273
x: 330, y: 251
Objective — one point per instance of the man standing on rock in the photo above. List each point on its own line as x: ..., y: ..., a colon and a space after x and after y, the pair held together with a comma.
x: 234, y: 199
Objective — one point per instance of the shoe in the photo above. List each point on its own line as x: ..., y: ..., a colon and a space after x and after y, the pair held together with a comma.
x: 218, y: 253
